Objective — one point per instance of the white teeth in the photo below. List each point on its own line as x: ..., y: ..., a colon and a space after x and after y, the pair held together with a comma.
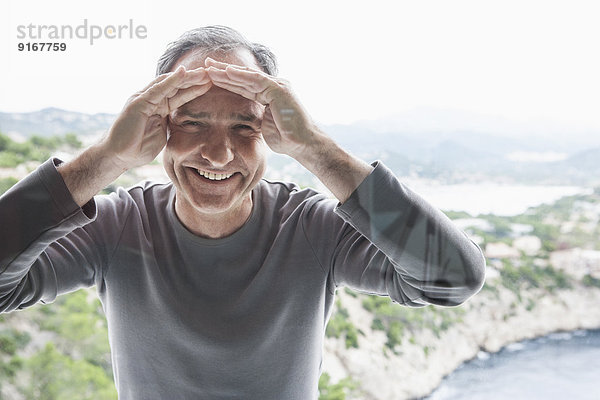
x: 214, y: 177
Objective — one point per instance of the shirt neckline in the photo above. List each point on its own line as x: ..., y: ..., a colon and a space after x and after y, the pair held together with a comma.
x: 247, y: 230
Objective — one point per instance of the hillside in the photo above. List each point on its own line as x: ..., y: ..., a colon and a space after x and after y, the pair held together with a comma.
x: 543, y: 276
x: 437, y: 145
x: 54, y: 121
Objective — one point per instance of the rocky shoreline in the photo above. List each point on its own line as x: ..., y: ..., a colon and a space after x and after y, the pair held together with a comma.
x: 492, y: 320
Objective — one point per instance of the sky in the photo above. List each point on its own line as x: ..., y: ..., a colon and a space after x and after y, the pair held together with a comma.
x: 347, y: 61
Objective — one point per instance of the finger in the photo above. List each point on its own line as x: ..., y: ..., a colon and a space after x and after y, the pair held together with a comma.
x: 191, y: 81
x: 221, y: 80
x: 163, y: 89
x: 155, y: 124
x: 221, y: 65
x: 241, y: 90
x: 194, y: 77
x: 155, y: 81
x: 245, y: 75
x: 268, y: 121
x: 154, y: 99
x: 219, y: 75
x: 233, y: 73
x: 162, y: 77
x: 253, y: 81
x: 156, y: 135
x: 185, y: 95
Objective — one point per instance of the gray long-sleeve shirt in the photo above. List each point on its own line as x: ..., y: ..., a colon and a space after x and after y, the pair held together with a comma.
x: 242, y: 317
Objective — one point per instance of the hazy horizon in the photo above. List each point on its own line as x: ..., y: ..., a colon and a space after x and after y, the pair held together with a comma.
x: 528, y: 60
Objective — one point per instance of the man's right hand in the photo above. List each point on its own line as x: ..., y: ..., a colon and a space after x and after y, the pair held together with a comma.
x: 140, y: 131
x: 136, y: 137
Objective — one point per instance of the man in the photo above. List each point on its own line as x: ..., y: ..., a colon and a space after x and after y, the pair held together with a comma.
x: 219, y: 285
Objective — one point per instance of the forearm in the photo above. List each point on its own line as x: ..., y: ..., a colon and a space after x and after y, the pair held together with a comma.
x: 90, y: 172
x: 339, y: 171
x: 435, y: 261
x: 35, y: 212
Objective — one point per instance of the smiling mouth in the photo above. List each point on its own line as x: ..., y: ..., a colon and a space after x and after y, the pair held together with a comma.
x: 213, y: 177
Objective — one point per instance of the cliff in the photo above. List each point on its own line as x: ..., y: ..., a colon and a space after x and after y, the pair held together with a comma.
x: 491, y: 320
x: 543, y: 276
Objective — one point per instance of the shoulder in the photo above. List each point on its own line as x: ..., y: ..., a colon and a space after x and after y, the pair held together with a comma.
x: 143, y: 195
x: 287, y: 192
x: 150, y: 190
x: 286, y: 198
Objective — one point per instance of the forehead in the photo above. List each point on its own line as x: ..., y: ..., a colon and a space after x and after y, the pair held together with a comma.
x: 194, y: 58
x: 218, y: 102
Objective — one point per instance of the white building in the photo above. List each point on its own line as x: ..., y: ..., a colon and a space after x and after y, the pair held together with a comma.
x: 577, y: 262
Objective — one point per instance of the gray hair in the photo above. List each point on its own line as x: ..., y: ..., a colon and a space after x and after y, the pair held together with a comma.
x: 211, y: 39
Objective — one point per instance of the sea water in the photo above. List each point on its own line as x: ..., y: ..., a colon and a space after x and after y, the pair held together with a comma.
x: 558, y: 366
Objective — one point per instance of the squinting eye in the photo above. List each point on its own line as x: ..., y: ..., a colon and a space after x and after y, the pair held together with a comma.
x: 243, y: 127
x: 193, y: 123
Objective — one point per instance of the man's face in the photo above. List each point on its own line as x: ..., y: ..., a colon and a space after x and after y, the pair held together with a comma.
x: 215, y: 153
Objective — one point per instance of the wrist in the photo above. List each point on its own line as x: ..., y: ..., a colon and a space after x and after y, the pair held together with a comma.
x: 337, y: 169
x: 88, y: 173
x: 108, y: 158
x: 313, y: 149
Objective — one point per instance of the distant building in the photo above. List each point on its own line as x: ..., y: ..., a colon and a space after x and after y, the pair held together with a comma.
x: 577, y: 262
x: 520, y: 229
x: 501, y: 250
x: 478, y: 223
x: 530, y: 245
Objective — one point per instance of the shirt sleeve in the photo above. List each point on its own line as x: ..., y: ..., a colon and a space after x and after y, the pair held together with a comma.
x: 44, y: 252
x: 392, y: 242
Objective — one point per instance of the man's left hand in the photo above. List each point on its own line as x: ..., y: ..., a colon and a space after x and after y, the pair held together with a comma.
x: 286, y: 127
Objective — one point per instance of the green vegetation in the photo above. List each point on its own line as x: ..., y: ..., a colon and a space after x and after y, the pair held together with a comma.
x: 337, y: 391
x: 546, y: 221
x: 340, y: 325
x: 9, y: 369
x: 561, y: 208
x: 81, y: 325
x: 457, y: 214
x: 76, y: 365
x: 6, y: 183
x: 529, y: 275
x: 12, y: 340
x: 502, y: 225
x: 36, y: 148
x: 590, y: 281
x: 502, y: 229
x: 397, y: 321
x: 577, y: 237
x: 56, y: 376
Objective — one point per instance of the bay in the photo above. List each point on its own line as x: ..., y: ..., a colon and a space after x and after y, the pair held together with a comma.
x: 489, y: 197
x: 558, y: 366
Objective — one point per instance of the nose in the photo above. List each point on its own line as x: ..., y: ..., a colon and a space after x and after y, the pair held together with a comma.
x: 217, y: 149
